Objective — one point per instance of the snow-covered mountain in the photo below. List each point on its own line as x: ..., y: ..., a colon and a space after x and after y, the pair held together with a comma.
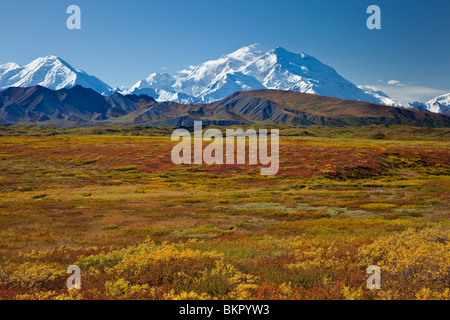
x: 51, y: 72
x: 159, y: 86
x: 440, y: 104
x: 251, y: 68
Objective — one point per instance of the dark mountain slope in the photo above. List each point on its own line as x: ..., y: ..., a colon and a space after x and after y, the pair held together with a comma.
x: 78, y: 104
x: 306, y: 108
x: 81, y: 106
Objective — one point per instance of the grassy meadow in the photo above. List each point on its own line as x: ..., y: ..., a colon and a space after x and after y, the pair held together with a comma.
x: 110, y: 200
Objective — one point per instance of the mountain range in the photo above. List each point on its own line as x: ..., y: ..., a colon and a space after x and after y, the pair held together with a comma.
x: 251, y: 69
x: 79, y: 106
x: 246, y: 69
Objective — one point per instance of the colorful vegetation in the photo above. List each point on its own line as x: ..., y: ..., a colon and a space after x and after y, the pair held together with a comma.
x: 110, y: 201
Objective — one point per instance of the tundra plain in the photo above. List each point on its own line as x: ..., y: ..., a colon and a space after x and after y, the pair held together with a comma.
x: 110, y: 200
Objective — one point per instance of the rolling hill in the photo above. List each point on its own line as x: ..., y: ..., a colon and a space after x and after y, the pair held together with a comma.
x: 85, y: 107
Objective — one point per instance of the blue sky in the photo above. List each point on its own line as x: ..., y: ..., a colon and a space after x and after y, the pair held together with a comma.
x: 122, y: 42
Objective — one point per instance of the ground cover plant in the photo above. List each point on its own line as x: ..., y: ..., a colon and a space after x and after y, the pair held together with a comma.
x: 110, y: 200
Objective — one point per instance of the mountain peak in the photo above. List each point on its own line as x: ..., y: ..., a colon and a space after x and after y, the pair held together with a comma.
x: 49, y: 71
x: 439, y: 104
x: 281, y: 50
x: 7, y: 67
x: 50, y: 60
x: 246, y: 52
x: 250, y: 47
x: 160, y: 78
x: 50, y: 57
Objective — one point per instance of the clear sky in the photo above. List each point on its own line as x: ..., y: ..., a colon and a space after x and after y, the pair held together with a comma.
x: 122, y: 42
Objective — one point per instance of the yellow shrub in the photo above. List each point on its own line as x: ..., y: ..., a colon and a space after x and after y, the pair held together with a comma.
x: 172, y: 295
x: 414, y: 259
x: 51, y: 295
x: 428, y: 294
x: 122, y: 289
x: 28, y: 275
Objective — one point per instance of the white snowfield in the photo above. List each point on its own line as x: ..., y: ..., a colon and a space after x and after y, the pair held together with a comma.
x: 249, y: 68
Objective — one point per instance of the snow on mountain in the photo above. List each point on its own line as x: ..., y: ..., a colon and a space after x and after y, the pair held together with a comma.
x: 248, y: 68
x: 209, y: 78
x: 380, y: 95
x: 440, y: 104
x: 51, y: 72
x: 226, y: 84
x: 159, y: 86
x: 8, y: 67
x: 251, y: 68
x: 161, y: 80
